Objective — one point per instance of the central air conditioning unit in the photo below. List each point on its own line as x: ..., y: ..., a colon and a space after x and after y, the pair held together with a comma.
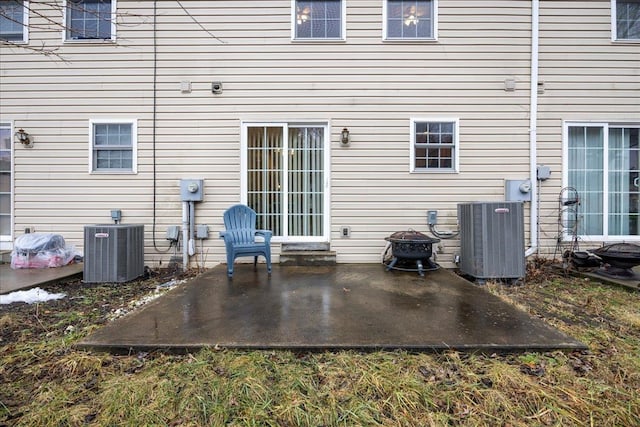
x: 113, y: 252
x: 492, y: 240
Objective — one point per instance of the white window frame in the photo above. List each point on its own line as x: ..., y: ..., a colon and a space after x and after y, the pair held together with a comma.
x: 614, y: 25
x: 134, y: 147
x: 66, y: 27
x: 605, y: 125
x: 343, y: 25
x: 244, y: 185
x: 6, y: 240
x: 456, y: 144
x: 386, y: 38
x: 25, y: 24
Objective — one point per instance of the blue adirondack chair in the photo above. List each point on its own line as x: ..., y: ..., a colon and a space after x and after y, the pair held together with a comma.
x: 240, y: 237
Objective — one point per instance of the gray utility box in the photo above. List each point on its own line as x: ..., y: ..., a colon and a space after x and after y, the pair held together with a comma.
x: 492, y: 240
x: 113, y: 252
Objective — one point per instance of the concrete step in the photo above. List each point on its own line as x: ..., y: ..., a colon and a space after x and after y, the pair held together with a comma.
x: 307, y: 246
x: 307, y: 258
x: 5, y: 257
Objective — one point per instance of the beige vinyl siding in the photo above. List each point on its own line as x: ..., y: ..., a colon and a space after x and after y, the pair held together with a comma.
x: 587, y: 78
x: 371, y: 86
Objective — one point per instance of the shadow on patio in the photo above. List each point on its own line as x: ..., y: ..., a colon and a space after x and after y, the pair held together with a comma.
x: 358, y: 306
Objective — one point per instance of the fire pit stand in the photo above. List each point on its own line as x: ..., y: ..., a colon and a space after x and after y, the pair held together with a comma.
x: 410, y: 251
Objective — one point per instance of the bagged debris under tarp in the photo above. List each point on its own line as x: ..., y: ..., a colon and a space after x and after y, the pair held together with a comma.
x: 41, y: 250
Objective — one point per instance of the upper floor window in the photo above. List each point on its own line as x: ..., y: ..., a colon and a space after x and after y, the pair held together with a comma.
x: 626, y: 19
x: 14, y: 18
x: 90, y: 19
x: 410, y: 20
x: 434, y: 145
x: 113, y: 146
x: 318, y: 19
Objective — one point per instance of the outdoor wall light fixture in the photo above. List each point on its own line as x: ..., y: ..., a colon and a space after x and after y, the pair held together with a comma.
x: 23, y: 138
x: 344, y: 136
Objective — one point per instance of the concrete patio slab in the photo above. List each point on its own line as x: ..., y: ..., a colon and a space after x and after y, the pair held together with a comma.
x: 25, y: 278
x: 332, y: 307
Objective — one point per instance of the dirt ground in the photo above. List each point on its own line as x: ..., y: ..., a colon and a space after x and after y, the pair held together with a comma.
x: 84, y: 305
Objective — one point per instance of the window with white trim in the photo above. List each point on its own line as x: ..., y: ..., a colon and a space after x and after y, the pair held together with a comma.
x: 114, y: 146
x: 602, y: 162
x: 410, y: 20
x: 90, y: 19
x: 434, y: 145
x: 625, y: 19
x: 14, y: 20
x: 318, y: 19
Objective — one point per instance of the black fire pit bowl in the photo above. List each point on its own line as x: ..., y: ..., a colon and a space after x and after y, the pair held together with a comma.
x: 411, y: 251
x: 619, y: 259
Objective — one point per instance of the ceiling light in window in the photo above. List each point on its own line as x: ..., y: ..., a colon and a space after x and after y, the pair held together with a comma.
x: 410, y: 20
x: 302, y: 15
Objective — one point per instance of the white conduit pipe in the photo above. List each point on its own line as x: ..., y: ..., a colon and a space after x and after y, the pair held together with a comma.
x: 533, y: 131
x: 192, y: 222
x: 185, y: 235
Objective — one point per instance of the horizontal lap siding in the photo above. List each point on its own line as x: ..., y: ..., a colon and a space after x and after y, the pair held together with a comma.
x: 587, y: 77
x: 370, y: 86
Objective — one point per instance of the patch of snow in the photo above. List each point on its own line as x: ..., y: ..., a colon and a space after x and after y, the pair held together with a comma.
x: 159, y: 291
x: 31, y: 296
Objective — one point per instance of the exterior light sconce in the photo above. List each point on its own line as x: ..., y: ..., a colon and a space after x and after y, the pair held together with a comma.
x: 344, y: 137
x: 23, y: 138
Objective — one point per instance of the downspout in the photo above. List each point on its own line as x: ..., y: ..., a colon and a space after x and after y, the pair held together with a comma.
x: 533, y: 131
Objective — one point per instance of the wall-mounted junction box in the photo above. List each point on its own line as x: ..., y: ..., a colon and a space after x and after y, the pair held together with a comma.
x: 202, y: 231
x: 432, y: 217
x: 345, y: 231
x: 173, y: 233
x: 116, y: 215
x: 543, y: 172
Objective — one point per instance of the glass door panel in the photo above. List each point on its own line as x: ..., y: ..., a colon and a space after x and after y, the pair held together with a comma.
x: 624, y: 181
x: 586, y: 175
x: 306, y: 181
x: 5, y: 182
x: 264, y: 173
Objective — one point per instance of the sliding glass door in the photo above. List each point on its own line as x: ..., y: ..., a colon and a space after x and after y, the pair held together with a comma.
x: 604, y: 167
x: 285, y: 178
x: 6, y: 186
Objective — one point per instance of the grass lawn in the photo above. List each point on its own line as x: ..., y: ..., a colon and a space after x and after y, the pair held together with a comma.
x: 45, y: 381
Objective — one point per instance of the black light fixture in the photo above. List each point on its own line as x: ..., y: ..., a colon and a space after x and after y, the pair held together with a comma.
x: 23, y: 138
x: 344, y: 136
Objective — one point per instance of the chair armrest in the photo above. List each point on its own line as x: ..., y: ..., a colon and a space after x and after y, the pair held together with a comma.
x: 222, y: 234
x: 266, y: 234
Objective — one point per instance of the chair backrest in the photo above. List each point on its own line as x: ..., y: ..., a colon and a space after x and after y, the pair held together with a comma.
x: 240, y: 221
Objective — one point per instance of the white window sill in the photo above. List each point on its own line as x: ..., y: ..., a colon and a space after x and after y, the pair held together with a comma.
x: 408, y: 40
x: 118, y: 172
x: 318, y: 40
x: 91, y: 41
x: 420, y: 171
x: 626, y: 41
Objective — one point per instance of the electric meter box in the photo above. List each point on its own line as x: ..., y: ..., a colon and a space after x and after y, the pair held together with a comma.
x: 191, y: 190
